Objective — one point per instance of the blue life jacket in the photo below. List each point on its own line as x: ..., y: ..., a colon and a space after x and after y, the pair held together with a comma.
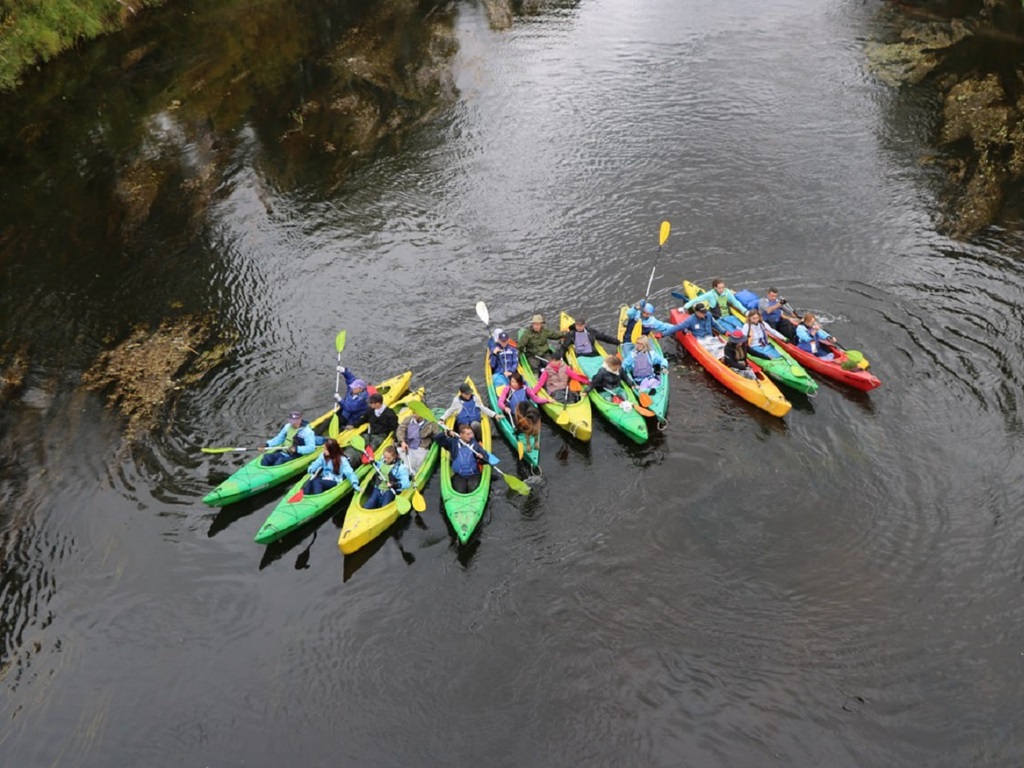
x: 470, y: 412
x: 504, y: 359
x: 465, y: 462
x: 515, y: 397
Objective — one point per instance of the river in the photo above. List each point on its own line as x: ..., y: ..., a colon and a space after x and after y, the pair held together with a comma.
x: 841, y: 587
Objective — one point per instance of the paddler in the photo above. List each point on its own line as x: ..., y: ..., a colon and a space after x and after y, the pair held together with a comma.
x: 295, y: 439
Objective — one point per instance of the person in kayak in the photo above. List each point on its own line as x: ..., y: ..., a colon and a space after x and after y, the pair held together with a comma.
x: 759, y: 335
x: 810, y: 334
x: 555, y: 378
x: 643, y: 313
x: 353, y: 409
x: 415, y: 436
x: 382, y: 422
x: 535, y: 341
x: 702, y: 324
x: 517, y: 392
x: 719, y: 298
x: 735, y: 353
x: 295, y: 439
x: 329, y: 469
x: 394, y: 478
x: 504, y: 358
x: 610, y: 380
x: 467, y: 407
x: 771, y: 307
x: 644, y: 365
x: 582, y: 339
x: 467, y: 453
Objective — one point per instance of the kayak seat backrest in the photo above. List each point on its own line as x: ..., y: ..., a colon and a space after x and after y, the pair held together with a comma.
x: 748, y: 299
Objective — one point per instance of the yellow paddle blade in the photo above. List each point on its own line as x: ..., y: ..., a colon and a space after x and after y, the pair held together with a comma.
x: 638, y: 329
x: 663, y: 235
x: 519, y: 448
x: 563, y: 418
x: 418, y: 502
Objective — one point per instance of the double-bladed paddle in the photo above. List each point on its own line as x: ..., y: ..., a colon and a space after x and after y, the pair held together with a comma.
x: 514, y: 483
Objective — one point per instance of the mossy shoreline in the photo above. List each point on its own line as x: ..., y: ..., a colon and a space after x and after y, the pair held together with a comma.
x: 32, y: 32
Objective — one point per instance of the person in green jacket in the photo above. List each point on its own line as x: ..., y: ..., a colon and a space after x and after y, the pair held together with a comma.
x: 535, y: 341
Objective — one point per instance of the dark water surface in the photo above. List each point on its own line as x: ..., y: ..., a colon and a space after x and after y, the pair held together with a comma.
x: 839, y: 588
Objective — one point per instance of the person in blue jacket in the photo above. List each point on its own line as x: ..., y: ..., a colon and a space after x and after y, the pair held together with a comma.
x: 467, y: 453
x: 329, y: 469
x: 809, y: 335
x: 504, y: 358
x: 644, y: 364
x: 353, y: 409
x: 394, y: 476
x: 701, y: 323
x: 295, y: 439
x: 719, y: 298
x: 643, y: 313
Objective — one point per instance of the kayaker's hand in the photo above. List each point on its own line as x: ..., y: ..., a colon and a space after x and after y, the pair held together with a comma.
x: 357, y: 488
x: 405, y: 446
x: 340, y: 369
x: 500, y: 416
x: 337, y: 397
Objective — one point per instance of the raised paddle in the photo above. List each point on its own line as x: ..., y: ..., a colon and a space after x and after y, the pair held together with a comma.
x: 339, y: 343
x: 401, y: 502
x: 662, y: 237
x: 514, y: 483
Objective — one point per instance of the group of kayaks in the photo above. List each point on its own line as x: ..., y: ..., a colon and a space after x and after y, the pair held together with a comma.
x: 465, y: 510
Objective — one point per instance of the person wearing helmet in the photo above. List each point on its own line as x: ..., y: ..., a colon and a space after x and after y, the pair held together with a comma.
x: 719, y: 299
x: 535, y: 342
x: 643, y: 312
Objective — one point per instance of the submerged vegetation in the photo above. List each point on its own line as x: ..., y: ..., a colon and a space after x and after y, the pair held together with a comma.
x: 32, y: 31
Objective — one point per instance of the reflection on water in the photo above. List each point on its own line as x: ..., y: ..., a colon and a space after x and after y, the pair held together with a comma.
x: 741, y: 589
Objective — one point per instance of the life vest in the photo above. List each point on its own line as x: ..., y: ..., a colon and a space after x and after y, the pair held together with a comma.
x: 505, y: 359
x: 412, y: 434
x: 465, y: 462
x: 558, y: 377
x: 582, y: 343
x: 515, y: 397
x: 292, y: 436
x: 722, y: 300
x: 470, y: 412
x: 642, y: 366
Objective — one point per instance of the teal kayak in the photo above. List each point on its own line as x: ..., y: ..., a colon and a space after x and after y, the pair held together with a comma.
x: 659, y: 395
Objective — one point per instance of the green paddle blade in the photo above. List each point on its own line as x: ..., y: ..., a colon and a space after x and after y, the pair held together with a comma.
x: 339, y: 341
x: 334, y: 427
x: 422, y: 409
x: 357, y: 442
x: 855, y: 355
x: 404, y: 505
x: 797, y: 371
x: 849, y: 365
x: 514, y: 483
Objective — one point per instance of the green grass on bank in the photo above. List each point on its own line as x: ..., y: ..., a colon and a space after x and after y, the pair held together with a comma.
x: 34, y: 31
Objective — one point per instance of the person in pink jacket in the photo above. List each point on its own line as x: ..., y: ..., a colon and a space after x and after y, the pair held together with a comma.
x: 555, y: 380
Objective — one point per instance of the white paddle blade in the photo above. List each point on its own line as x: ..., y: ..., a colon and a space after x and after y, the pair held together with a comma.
x: 482, y: 313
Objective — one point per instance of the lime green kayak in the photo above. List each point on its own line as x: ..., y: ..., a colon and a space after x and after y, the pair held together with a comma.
x: 627, y: 420
x: 363, y: 525
x: 253, y: 477
x: 506, y: 425
x: 659, y: 396
x: 783, y: 368
x: 464, y: 510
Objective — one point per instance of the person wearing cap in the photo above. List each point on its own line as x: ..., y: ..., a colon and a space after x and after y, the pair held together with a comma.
x: 554, y: 380
x: 771, y: 307
x: 644, y: 364
x: 735, y: 353
x: 467, y: 409
x: 643, y: 312
x: 583, y: 339
x: 295, y: 439
x: 702, y: 324
x: 719, y: 299
x: 504, y: 358
x: 353, y: 409
x: 810, y: 334
x: 395, y: 479
x: 535, y: 342
x: 610, y: 380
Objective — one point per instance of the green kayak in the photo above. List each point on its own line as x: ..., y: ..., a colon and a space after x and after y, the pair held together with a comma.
x: 464, y: 510
x: 507, y: 425
x: 659, y: 397
x: 253, y: 477
x: 783, y: 368
x: 627, y: 420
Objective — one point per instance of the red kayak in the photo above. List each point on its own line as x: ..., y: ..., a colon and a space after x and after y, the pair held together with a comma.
x: 833, y: 369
